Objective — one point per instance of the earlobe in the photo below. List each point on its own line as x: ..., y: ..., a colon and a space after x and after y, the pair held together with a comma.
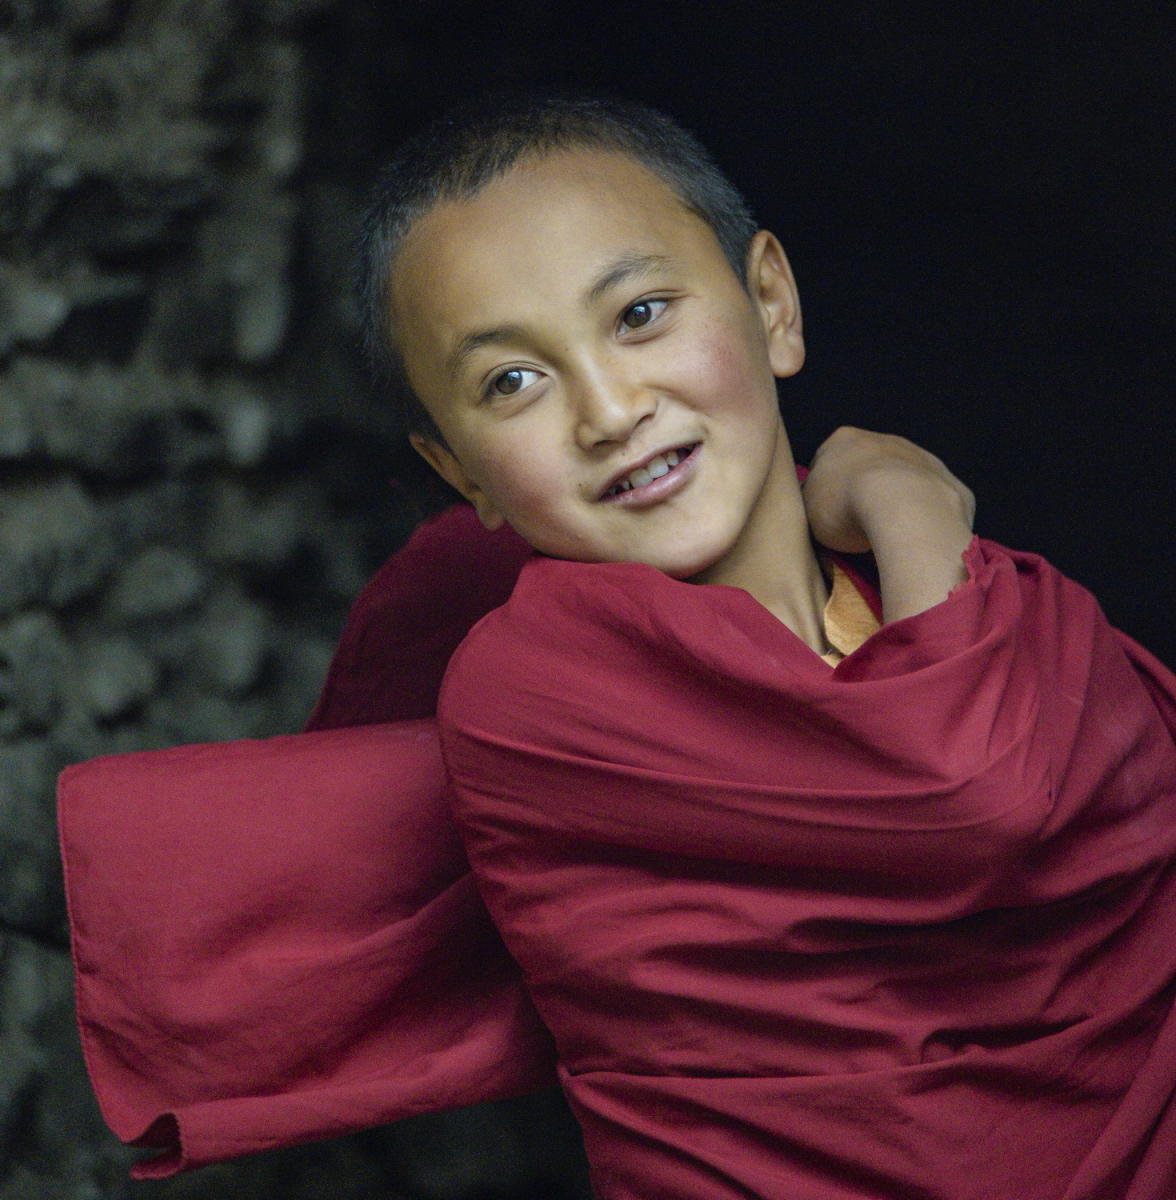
x: 772, y: 287
x: 446, y: 464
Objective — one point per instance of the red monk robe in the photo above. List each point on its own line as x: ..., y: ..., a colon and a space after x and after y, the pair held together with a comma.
x: 903, y: 928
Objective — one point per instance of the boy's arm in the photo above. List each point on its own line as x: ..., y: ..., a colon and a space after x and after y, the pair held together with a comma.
x: 881, y: 493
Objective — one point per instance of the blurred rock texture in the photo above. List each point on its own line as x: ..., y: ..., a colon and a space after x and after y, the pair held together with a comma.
x: 192, y: 489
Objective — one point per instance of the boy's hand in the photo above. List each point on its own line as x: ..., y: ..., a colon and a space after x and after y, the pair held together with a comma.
x: 874, y: 491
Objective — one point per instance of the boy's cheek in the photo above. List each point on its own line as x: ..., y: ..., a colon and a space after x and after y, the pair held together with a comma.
x: 517, y: 480
x: 720, y: 372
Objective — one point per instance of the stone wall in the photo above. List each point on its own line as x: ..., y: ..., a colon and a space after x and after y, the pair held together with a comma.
x: 192, y: 488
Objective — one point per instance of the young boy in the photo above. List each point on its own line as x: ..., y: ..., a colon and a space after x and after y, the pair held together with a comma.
x: 896, y: 927
x: 819, y: 900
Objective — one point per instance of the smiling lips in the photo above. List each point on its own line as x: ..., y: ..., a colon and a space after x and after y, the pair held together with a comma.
x: 642, y: 476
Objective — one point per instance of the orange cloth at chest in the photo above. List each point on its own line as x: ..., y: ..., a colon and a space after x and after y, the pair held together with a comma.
x: 849, y: 617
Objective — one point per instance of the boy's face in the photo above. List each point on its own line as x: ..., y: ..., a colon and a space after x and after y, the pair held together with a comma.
x: 602, y: 380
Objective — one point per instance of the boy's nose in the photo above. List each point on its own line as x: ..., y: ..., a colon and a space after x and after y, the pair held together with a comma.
x: 609, y: 410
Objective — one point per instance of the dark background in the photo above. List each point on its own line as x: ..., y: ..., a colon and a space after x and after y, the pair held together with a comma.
x: 976, y: 201
x: 195, y: 479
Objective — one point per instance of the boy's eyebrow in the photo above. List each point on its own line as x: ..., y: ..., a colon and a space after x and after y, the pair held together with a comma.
x: 474, y: 341
x: 628, y: 266
x: 620, y: 270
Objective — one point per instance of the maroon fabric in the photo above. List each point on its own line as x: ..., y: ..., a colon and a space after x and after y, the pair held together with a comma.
x: 279, y: 940
x: 901, y: 929
x: 411, y: 616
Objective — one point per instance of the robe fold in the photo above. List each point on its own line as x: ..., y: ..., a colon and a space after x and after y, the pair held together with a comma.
x: 904, y: 928
x: 899, y: 928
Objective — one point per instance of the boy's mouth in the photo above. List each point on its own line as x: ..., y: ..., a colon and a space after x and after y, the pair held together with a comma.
x: 654, y: 468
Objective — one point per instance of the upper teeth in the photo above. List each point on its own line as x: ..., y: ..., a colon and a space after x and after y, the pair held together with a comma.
x: 654, y: 469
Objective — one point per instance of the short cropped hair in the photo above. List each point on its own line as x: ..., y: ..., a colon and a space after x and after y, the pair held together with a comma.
x: 455, y: 156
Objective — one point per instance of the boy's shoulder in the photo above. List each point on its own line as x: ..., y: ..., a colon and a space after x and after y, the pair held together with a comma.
x: 621, y: 646
x: 559, y: 609
x: 410, y: 617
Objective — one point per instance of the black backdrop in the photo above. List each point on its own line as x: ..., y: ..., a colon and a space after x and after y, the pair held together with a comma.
x: 976, y: 201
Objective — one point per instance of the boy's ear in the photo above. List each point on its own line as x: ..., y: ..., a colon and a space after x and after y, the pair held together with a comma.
x: 446, y: 464
x: 773, y: 290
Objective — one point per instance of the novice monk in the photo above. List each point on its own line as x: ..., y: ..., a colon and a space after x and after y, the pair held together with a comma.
x: 813, y: 910
x: 819, y: 900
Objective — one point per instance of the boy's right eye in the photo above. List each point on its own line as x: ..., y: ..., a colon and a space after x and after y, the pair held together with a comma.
x: 507, y: 383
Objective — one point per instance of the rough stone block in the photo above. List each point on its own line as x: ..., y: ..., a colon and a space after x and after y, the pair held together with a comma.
x: 263, y: 531
x: 31, y: 896
x: 30, y: 308
x: 53, y: 1144
x: 116, y: 676
x: 158, y: 582
x: 53, y: 545
x: 188, y: 714
x: 112, y: 422
x: 17, y: 439
x: 30, y: 987
x: 247, y: 424
x: 232, y: 639
x: 167, y: 512
x: 35, y: 665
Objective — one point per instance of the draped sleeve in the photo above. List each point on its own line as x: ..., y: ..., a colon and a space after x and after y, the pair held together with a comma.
x: 280, y: 940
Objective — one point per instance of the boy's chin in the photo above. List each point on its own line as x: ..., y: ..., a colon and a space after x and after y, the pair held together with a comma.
x: 686, y: 561
x: 688, y: 572
x: 689, y: 569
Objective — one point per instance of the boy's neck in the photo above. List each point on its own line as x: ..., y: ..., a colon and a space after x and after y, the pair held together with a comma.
x: 778, y: 566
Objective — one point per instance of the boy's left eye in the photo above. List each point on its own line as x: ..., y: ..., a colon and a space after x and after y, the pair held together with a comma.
x: 642, y: 313
x: 511, y: 381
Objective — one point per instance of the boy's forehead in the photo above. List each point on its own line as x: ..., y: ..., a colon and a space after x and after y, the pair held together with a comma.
x: 551, y: 223
x: 573, y: 203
